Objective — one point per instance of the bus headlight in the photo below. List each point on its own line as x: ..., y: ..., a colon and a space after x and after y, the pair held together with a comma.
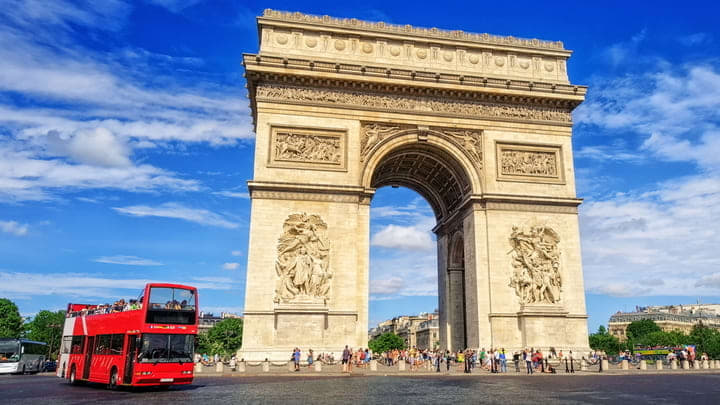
x: 187, y: 372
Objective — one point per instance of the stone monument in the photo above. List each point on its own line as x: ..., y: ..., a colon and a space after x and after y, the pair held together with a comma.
x: 479, y: 125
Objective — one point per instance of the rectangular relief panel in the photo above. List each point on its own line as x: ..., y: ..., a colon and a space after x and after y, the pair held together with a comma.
x: 308, y: 148
x: 529, y: 163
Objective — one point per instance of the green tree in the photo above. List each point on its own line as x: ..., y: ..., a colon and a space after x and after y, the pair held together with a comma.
x: 47, y: 326
x: 11, y: 324
x: 660, y: 338
x: 224, y: 338
x: 637, y: 329
x: 602, y: 340
x: 706, y: 340
x: 385, y: 342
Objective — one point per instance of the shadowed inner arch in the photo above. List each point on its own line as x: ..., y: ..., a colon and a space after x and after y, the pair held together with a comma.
x: 428, y: 170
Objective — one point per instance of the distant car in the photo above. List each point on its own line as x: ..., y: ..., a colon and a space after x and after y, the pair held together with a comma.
x: 50, y: 365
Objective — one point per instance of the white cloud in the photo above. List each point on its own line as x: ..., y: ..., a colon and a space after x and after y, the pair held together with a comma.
x: 697, y: 38
x: 230, y: 266
x: 86, y: 111
x: 403, y: 237
x: 127, y: 260
x: 236, y: 253
x: 620, y: 52
x: 399, y: 274
x: 77, y: 285
x: 232, y: 194
x: 178, y: 211
x: 666, y: 236
x: 14, y: 228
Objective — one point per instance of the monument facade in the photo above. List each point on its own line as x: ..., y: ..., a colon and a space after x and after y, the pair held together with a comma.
x: 479, y: 125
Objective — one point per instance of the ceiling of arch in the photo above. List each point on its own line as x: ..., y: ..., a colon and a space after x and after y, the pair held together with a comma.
x: 429, y: 171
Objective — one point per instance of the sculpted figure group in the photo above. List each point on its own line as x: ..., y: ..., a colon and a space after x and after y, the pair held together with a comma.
x: 536, y: 264
x: 302, y: 147
x: 303, y: 262
x: 531, y: 163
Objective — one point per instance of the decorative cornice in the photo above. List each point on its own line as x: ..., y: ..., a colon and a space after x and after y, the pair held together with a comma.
x: 455, y: 35
x: 254, y: 64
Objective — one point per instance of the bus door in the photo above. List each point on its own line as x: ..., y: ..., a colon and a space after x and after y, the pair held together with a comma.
x: 89, y: 349
x: 130, y: 358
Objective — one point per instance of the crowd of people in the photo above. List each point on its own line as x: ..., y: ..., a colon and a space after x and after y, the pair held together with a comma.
x: 118, y: 306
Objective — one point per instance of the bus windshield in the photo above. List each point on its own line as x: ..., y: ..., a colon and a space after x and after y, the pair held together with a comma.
x: 172, y: 298
x: 9, y: 351
x: 165, y: 348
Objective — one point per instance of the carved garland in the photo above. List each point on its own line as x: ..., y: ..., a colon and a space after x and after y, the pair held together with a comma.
x: 395, y: 102
x: 303, y: 261
x: 536, y: 264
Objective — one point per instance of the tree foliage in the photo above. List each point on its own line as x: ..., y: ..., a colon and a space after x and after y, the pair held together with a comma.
x: 602, y: 340
x: 47, y: 326
x: 224, y: 338
x: 11, y: 325
x: 386, y: 342
x: 638, y: 329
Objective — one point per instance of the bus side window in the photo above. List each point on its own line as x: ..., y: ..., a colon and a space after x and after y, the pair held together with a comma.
x: 77, y: 344
x: 116, y: 345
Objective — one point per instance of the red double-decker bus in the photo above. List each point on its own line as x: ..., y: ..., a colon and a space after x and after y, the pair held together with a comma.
x: 143, y: 342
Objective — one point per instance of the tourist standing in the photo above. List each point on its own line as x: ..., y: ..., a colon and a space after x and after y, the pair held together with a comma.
x: 516, y: 360
x: 528, y: 361
x: 448, y: 358
x: 503, y: 361
x: 346, y: 355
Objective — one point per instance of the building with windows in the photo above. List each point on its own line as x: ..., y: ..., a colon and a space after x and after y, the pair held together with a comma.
x: 668, y: 317
x: 405, y: 326
x: 427, y: 335
x: 208, y: 320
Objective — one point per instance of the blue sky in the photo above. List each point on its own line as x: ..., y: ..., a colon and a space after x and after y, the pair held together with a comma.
x: 126, y: 144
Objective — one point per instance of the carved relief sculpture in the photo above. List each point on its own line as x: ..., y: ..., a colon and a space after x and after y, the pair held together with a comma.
x: 536, y: 264
x: 303, y: 261
x: 470, y: 141
x: 311, y: 148
x: 394, y: 102
x: 372, y: 134
x: 529, y: 163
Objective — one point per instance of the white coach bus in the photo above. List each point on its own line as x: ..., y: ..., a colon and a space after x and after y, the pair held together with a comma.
x: 20, y: 356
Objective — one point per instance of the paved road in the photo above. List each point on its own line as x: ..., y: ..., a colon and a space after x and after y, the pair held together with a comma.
x: 539, y: 390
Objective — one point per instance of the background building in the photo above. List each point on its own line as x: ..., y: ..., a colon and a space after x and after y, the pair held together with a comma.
x: 407, y: 327
x: 668, y: 317
x: 207, y: 320
x: 428, y: 334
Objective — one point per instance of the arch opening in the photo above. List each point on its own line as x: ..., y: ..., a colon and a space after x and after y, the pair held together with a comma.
x: 442, y: 180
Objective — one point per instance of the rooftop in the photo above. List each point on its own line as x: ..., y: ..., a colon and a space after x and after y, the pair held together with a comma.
x: 458, y: 35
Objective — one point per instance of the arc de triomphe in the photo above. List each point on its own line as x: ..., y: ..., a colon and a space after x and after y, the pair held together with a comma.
x: 480, y: 125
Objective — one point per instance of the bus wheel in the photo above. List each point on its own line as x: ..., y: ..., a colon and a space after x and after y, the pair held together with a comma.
x: 113, y: 379
x: 73, y: 381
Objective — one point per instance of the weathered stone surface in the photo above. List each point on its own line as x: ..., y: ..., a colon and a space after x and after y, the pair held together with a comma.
x: 343, y: 109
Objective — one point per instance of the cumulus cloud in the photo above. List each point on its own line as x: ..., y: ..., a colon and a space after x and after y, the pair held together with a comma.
x: 86, y: 111
x: 79, y: 285
x: 127, y: 260
x: 14, y: 227
x: 403, y: 237
x: 179, y: 211
x: 231, y: 266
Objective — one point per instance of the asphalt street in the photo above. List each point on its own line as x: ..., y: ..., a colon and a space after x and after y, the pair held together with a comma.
x: 536, y: 389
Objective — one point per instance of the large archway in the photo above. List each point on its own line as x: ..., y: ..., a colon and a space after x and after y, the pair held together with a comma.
x: 479, y: 125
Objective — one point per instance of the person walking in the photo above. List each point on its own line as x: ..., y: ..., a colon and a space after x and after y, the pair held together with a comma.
x: 572, y: 365
x: 448, y: 358
x: 503, y: 361
x: 528, y: 361
x: 468, y: 359
x: 296, y: 358
x: 346, y: 355
x: 438, y: 360
x: 516, y: 360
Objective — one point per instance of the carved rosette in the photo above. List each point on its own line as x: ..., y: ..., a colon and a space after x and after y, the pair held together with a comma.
x: 535, y: 255
x: 303, y: 261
